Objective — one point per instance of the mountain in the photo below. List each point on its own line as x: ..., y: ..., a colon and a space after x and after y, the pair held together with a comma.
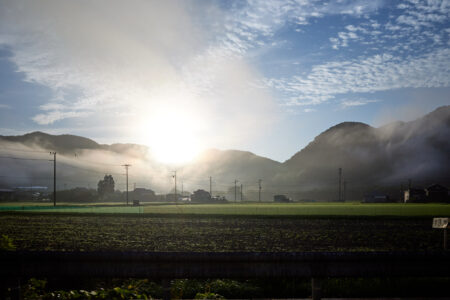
x: 371, y: 159
x: 64, y: 143
x: 376, y: 157
x: 71, y: 144
x: 230, y: 165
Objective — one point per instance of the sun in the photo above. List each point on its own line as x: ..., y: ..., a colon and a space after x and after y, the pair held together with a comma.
x: 172, y: 135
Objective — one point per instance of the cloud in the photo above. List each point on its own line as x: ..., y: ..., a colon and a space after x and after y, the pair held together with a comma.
x: 98, y: 48
x: 357, y: 102
x: 405, y: 51
x: 114, y: 61
x: 365, y: 75
x: 4, y: 106
x: 56, y: 115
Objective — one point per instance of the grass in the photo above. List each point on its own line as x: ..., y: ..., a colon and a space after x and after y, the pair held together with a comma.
x: 244, y: 209
x: 300, y: 209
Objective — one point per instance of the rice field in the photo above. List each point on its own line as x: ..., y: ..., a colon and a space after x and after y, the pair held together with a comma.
x: 244, y: 209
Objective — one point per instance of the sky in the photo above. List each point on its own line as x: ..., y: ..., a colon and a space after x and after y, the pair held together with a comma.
x: 184, y: 76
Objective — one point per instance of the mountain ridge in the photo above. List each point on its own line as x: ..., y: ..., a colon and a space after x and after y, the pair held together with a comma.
x: 370, y: 157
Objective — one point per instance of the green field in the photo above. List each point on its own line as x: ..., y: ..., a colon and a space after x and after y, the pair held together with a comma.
x: 251, y: 209
x: 300, y: 209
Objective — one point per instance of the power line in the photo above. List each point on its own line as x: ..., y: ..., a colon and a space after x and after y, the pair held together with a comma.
x: 23, y: 158
x: 92, y: 171
x: 22, y: 150
x: 94, y: 162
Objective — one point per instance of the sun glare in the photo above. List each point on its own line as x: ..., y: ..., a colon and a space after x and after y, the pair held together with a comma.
x: 172, y: 136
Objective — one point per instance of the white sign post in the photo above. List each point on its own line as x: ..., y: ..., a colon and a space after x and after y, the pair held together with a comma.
x: 441, y: 223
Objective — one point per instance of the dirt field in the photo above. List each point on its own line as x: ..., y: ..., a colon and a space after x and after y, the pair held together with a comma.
x: 88, y: 232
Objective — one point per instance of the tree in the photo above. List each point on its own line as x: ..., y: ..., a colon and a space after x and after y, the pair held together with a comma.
x: 106, y: 186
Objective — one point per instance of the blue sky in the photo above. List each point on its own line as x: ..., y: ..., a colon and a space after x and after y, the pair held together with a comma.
x: 182, y: 76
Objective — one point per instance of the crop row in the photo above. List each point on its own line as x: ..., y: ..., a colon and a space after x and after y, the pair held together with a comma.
x: 85, y: 232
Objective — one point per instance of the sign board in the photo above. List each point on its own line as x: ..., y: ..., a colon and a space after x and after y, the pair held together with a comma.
x: 440, y: 222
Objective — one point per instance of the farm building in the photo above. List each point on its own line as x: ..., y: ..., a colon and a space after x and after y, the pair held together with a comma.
x: 376, y: 197
x: 433, y: 193
x: 415, y: 195
x: 437, y: 193
x: 143, y: 195
x: 281, y: 199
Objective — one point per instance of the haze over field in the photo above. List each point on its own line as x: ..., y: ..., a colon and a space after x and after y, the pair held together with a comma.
x: 372, y: 159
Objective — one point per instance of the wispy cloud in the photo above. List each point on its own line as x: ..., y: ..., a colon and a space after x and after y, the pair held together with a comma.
x: 357, y: 102
x: 4, y: 106
x: 406, y: 51
x: 56, y: 115
x: 365, y: 75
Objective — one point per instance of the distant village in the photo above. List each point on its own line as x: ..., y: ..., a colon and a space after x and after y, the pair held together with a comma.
x: 106, y: 192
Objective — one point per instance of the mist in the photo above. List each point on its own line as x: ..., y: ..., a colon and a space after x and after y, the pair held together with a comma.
x: 32, y: 165
x: 383, y: 158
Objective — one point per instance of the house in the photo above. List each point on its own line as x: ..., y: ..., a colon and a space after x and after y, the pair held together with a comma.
x: 281, y: 199
x: 143, y: 195
x: 200, y: 196
x: 437, y: 193
x: 414, y: 195
x: 376, y: 197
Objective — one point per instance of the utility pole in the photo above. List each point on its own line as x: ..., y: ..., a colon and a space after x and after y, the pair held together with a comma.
x: 345, y: 189
x: 54, y: 177
x: 182, y: 188
x: 259, y: 195
x: 175, y: 178
x: 235, y: 189
x: 241, y: 192
x: 210, y: 186
x: 134, y: 186
x: 340, y: 183
x: 126, y: 173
